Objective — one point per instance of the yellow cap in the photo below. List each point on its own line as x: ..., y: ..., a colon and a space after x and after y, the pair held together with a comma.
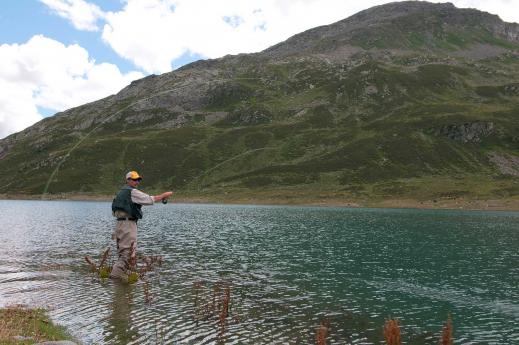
x: 134, y: 175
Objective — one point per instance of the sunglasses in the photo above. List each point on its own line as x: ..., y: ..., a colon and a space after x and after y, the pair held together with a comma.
x: 136, y: 179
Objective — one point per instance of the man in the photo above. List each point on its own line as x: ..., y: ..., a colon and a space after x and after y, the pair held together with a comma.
x: 127, y: 208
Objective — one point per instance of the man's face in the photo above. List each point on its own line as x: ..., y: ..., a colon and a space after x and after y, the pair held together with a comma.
x: 133, y: 183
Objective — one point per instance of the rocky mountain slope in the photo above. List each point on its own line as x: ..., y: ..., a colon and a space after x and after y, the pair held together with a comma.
x: 408, y: 100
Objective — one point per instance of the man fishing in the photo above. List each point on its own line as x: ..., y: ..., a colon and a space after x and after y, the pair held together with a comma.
x: 126, y: 207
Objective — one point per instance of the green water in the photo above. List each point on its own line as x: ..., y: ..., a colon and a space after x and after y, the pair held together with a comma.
x: 289, y: 268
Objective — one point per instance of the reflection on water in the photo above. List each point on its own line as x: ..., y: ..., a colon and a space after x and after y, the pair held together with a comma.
x: 289, y: 268
x: 119, y: 321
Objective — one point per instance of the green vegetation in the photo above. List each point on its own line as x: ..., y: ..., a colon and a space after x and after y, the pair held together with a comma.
x: 19, y: 325
x: 376, y: 125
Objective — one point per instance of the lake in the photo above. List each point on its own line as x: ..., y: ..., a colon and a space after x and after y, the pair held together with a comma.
x: 287, y: 268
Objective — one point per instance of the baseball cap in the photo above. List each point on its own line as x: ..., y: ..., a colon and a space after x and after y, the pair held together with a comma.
x: 134, y: 175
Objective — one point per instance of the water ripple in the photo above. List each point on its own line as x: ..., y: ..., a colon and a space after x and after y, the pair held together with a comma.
x: 289, y: 268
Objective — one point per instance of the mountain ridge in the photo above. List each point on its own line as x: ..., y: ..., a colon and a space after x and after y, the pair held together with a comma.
x: 419, y: 102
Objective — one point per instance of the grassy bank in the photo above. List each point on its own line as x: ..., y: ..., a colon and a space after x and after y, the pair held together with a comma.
x: 293, y: 197
x: 19, y: 325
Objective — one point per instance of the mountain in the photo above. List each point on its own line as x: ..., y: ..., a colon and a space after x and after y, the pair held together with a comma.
x: 408, y: 100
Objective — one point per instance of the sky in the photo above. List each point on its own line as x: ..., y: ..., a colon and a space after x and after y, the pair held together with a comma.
x: 59, y: 54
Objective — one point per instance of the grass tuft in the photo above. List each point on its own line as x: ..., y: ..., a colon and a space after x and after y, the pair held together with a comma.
x: 21, y: 325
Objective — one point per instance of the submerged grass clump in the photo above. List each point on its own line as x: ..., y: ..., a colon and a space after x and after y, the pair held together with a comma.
x: 103, y: 269
x: 139, y: 267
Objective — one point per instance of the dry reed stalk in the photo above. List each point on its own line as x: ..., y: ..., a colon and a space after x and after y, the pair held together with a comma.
x: 159, y: 260
x: 322, y: 332
x: 447, y: 333
x: 159, y: 337
x: 197, y: 286
x: 146, y: 268
x: 392, y: 332
x: 147, y: 295
x: 93, y: 266
x: 203, y: 303
x: 224, y: 311
x: 133, y: 257
x: 216, y: 292
x: 104, y: 257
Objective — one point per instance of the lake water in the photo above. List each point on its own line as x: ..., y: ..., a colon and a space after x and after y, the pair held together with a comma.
x: 288, y: 268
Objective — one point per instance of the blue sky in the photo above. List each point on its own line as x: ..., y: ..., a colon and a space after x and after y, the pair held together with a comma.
x: 58, y: 54
x: 30, y: 17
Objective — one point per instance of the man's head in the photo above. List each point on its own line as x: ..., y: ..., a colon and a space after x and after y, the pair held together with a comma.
x: 133, y: 178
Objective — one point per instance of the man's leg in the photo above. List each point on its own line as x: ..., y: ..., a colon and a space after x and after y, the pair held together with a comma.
x: 125, y: 235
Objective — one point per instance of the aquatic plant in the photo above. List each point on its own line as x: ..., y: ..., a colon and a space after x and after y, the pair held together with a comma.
x: 213, y: 303
x: 447, y: 331
x: 322, y: 332
x: 224, y: 310
x: 147, y: 295
x: 93, y: 266
x: 132, y: 262
x: 160, y: 336
x: 149, y: 263
x: 103, y: 269
x: 132, y: 274
x: 392, y: 332
x: 138, y: 268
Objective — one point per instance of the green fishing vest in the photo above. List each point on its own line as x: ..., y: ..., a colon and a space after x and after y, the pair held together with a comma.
x: 123, y: 202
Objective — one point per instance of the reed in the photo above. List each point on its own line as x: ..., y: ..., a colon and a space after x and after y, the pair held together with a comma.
x: 93, y: 266
x: 104, y: 258
x: 132, y: 262
x: 213, y: 303
x: 159, y: 334
x: 447, y: 332
x: 197, y: 288
x: 149, y: 263
x: 392, y: 332
x: 147, y: 294
x: 224, y: 310
x: 322, y: 332
x: 133, y: 275
x: 103, y: 270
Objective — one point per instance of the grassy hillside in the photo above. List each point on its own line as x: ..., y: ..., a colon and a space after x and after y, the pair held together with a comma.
x: 427, y: 116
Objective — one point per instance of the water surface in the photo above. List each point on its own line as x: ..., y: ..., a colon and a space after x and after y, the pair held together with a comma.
x: 289, y: 268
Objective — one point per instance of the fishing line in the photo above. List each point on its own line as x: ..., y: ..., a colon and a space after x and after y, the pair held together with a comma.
x: 227, y: 160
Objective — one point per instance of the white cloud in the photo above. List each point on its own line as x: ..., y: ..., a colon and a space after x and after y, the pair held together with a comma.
x: 81, y: 14
x: 45, y: 73
x: 17, y: 109
x: 154, y: 33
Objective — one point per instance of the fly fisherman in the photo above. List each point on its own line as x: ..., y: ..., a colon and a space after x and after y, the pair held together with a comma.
x: 126, y: 207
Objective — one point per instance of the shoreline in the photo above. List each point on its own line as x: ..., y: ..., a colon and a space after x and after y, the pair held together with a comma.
x: 20, y: 324
x: 436, y: 204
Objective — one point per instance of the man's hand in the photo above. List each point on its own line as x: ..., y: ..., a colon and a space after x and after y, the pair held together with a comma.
x: 162, y: 196
x: 166, y: 195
